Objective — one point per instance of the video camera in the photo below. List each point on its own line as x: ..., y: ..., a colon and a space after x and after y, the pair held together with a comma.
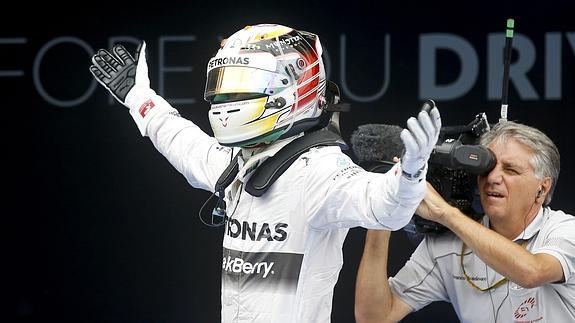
x: 455, y: 161
x: 453, y: 167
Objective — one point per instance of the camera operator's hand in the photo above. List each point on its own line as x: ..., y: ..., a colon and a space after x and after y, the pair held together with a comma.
x: 419, y: 142
x: 433, y: 206
x: 122, y: 75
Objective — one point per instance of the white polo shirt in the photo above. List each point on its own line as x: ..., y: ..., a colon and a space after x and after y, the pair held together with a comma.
x: 434, y: 273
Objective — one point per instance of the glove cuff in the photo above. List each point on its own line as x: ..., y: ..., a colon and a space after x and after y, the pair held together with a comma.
x: 417, y: 176
x: 144, y: 105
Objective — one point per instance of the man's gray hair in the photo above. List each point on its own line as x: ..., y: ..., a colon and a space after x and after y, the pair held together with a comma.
x: 545, y: 158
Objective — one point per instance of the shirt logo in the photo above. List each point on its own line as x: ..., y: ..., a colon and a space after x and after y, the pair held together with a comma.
x: 342, y: 162
x: 261, y: 271
x: 241, y: 266
x: 524, y: 308
x: 255, y: 231
x: 146, y: 107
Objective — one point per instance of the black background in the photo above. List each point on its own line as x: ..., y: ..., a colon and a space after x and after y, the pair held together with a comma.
x: 99, y: 226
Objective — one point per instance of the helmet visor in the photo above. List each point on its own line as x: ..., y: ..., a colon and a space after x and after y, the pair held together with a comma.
x: 240, y: 79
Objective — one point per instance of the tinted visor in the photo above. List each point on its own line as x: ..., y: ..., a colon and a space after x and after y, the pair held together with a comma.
x: 240, y: 79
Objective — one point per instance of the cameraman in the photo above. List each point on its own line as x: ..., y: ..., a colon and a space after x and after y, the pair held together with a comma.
x: 517, y: 265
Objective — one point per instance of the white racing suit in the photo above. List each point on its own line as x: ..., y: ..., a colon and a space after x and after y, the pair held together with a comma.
x: 282, y: 252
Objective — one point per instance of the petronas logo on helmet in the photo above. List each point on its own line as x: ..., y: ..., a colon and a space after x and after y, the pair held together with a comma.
x: 228, y: 61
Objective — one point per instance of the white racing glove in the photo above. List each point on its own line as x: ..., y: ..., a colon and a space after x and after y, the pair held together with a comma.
x: 419, y: 141
x: 126, y: 78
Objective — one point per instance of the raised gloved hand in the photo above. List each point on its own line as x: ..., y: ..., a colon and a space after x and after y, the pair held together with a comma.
x: 419, y: 141
x: 127, y: 79
x: 119, y: 72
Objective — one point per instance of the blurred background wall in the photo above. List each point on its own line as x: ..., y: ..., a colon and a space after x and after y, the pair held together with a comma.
x: 100, y: 228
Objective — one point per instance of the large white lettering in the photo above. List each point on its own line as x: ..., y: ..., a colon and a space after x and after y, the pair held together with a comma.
x: 547, y: 56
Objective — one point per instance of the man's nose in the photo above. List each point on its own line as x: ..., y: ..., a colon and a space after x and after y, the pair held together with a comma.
x: 495, y: 175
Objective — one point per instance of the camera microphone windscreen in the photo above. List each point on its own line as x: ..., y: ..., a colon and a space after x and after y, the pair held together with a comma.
x: 377, y: 143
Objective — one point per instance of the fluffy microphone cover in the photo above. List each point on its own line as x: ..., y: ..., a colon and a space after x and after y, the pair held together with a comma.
x: 377, y: 142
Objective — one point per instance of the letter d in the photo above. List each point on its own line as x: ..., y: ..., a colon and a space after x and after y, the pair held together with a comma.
x: 428, y: 46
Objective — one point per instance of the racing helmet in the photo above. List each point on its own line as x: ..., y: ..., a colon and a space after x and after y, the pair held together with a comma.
x: 266, y: 82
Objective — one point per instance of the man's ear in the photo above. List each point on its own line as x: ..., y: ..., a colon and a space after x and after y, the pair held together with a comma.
x: 545, y: 187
